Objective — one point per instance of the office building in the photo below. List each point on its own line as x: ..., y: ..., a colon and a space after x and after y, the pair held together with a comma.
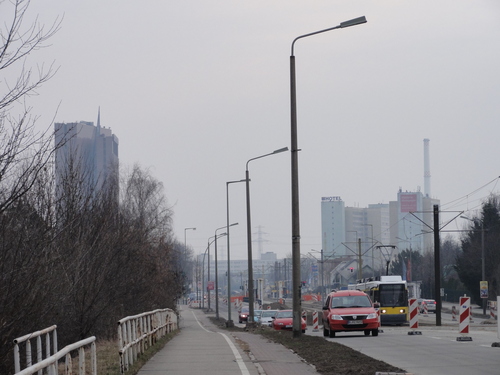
x: 90, y: 152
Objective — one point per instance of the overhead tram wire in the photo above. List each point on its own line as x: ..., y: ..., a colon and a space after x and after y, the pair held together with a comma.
x: 454, y: 203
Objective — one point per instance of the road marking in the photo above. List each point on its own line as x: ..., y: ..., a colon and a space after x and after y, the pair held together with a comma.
x: 237, y: 356
x: 239, y: 360
x: 197, y: 321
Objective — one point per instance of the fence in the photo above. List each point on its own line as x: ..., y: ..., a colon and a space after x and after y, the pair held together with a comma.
x: 139, y: 332
x: 39, y: 346
x: 51, y: 363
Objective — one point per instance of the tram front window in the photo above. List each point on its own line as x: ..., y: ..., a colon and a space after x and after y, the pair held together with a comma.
x: 392, y: 295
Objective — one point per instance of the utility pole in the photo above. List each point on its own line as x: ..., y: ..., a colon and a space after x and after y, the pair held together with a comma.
x: 437, y: 265
x: 360, y: 261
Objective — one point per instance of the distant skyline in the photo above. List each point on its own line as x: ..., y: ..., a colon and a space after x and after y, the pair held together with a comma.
x: 195, y: 89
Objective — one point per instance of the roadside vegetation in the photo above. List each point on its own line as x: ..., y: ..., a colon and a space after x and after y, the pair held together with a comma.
x: 71, y: 254
x: 329, y: 358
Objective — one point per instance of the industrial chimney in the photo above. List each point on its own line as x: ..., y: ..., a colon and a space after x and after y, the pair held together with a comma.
x: 427, y: 170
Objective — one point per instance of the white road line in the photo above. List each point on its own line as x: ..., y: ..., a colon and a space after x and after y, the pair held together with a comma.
x: 237, y: 356
x: 239, y: 360
x: 197, y: 321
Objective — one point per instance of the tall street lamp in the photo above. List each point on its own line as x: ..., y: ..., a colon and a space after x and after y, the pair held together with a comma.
x: 250, y: 321
x: 229, y: 322
x: 186, y: 229
x: 185, y: 246
x: 217, y: 271
x: 483, y: 270
x: 208, y: 277
x: 297, y: 331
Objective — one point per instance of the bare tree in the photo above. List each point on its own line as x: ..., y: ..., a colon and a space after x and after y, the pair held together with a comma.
x: 24, y: 152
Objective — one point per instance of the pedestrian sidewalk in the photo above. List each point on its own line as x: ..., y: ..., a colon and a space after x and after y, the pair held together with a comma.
x: 203, y: 348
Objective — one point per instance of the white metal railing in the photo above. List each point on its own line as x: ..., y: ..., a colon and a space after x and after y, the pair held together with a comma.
x: 39, y: 347
x: 51, y: 363
x: 139, y: 332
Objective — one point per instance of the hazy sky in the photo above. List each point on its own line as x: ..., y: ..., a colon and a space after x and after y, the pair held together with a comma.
x: 196, y: 88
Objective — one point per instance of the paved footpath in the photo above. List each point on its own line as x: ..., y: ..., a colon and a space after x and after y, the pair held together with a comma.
x: 203, y: 348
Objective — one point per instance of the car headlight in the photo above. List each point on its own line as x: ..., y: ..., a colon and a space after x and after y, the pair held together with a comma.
x: 279, y: 324
x: 401, y: 311
x: 372, y: 316
x: 336, y: 317
x: 383, y: 311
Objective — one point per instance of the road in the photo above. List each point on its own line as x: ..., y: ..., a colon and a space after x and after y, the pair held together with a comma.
x: 436, y: 351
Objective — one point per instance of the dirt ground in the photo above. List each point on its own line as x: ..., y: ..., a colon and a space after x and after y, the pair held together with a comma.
x: 329, y: 358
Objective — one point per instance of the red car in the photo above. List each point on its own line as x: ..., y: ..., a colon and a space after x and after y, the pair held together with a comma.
x: 283, y: 320
x: 243, y: 314
x: 350, y: 310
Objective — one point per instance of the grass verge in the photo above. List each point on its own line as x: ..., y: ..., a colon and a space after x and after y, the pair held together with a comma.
x: 329, y: 358
x: 108, y: 359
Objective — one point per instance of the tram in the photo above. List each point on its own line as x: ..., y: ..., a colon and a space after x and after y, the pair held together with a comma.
x: 391, y: 293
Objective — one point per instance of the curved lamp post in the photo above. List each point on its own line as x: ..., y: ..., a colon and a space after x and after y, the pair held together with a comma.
x: 185, y: 246
x: 250, y: 320
x: 229, y: 322
x: 203, y: 268
x: 295, y: 180
x: 217, y: 270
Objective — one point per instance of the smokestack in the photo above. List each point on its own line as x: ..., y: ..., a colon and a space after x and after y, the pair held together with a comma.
x: 427, y: 169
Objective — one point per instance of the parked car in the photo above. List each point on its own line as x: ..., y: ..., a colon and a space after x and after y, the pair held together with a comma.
x: 350, y: 310
x: 267, y: 316
x: 256, y: 315
x: 283, y: 320
x: 430, y: 303
x: 243, y: 314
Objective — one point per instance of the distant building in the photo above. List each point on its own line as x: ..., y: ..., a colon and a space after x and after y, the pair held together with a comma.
x: 412, y: 221
x: 90, y: 150
x: 269, y: 256
x: 377, y: 232
x: 333, y: 227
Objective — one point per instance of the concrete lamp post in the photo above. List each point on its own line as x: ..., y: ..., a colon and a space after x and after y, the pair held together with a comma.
x: 250, y: 321
x: 297, y: 331
x: 229, y: 322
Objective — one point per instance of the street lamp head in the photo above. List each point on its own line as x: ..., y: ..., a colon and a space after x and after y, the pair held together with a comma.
x: 353, y: 22
x: 280, y: 150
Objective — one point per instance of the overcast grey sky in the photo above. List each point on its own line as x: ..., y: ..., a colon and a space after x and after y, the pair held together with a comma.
x: 195, y: 88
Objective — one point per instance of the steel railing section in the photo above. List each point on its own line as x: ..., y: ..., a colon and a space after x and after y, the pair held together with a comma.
x: 51, y: 363
x: 139, y: 332
x: 38, y: 335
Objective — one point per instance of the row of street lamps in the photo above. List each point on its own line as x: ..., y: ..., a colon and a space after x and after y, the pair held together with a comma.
x: 295, y: 199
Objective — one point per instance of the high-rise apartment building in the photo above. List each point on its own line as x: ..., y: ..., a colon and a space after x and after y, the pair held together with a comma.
x: 377, y: 232
x: 412, y: 221
x: 91, y: 151
x: 333, y: 230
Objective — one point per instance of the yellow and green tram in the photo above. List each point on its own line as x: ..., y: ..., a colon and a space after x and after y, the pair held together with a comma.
x: 391, y: 293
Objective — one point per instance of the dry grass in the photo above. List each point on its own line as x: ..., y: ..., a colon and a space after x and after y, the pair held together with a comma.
x: 329, y: 358
x: 108, y: 358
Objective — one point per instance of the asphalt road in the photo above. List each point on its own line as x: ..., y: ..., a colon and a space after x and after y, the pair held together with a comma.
x: 436, y: 351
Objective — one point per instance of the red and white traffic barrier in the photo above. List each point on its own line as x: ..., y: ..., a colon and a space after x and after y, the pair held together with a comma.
x: 454, y: 313
x: 426, y: 309
x: 464, y: 322
x: 493, y: 310
x: 315, y: 321
x: 413, y: 304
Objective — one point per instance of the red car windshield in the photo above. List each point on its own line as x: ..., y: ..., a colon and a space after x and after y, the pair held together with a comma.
x: 284, y: 314
x: 350, y: 301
